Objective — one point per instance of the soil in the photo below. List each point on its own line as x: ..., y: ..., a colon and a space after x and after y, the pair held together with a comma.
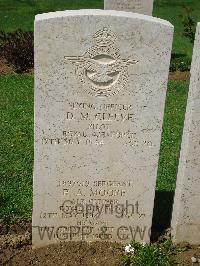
x: 5, y: 68
x: 184, y: 258
x: 178, y: 75
x: 16, y: 250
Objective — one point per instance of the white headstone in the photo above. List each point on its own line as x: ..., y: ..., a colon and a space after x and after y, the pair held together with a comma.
x: 137, y: 6
x: 100, y: 85
x: 186, y: 211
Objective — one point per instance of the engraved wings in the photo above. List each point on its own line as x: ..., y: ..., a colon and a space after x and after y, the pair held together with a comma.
x: 100, y: 72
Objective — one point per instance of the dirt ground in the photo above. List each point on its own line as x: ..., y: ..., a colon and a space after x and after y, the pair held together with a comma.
x: 184, y: 258
x: 16, y: 249
x: 5, y: 68
x: 178, y: 75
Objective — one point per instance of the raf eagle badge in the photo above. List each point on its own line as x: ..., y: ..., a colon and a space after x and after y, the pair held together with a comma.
x: 101, y: 70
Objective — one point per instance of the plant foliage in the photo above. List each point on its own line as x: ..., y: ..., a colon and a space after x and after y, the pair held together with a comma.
x: 18, y: 49
x: 150, y: 255
x: 188, y: 24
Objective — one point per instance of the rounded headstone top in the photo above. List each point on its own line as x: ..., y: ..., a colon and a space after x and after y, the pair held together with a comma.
x: 99, y: 12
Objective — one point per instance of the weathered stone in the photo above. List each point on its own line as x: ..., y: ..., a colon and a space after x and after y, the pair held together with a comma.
x: 100, y: 85
x: 137, y: 6
x: 186, y: 212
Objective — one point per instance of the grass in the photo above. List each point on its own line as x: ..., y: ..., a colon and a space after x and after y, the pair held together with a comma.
x: 16, y: 102
x: 176, y: 101
x: 150, y: 255
x: 171, y: 10
x: 16, y: 14
x: 16, y: 143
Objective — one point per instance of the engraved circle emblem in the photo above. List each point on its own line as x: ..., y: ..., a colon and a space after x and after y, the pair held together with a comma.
x: 101, y: 70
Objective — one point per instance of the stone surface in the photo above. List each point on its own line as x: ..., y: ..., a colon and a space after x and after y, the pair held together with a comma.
x: 186, y: 211
x: 137, y: 6
x: 100, y: 85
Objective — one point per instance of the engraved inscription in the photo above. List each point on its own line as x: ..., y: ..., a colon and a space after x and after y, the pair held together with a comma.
x: 101, y: 68
x: 127, y: 5
x: 105, y: 126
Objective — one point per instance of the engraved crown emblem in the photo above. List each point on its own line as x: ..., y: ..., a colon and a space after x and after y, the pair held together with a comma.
x: 101, y: 70
x: 104, y: 37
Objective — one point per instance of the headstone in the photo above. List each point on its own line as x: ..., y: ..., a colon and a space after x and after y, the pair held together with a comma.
x: 137, y: 6
x: 186, y: 212
x: 100, y: 85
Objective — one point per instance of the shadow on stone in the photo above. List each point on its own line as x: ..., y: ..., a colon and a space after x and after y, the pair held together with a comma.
x: 162, y: 213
